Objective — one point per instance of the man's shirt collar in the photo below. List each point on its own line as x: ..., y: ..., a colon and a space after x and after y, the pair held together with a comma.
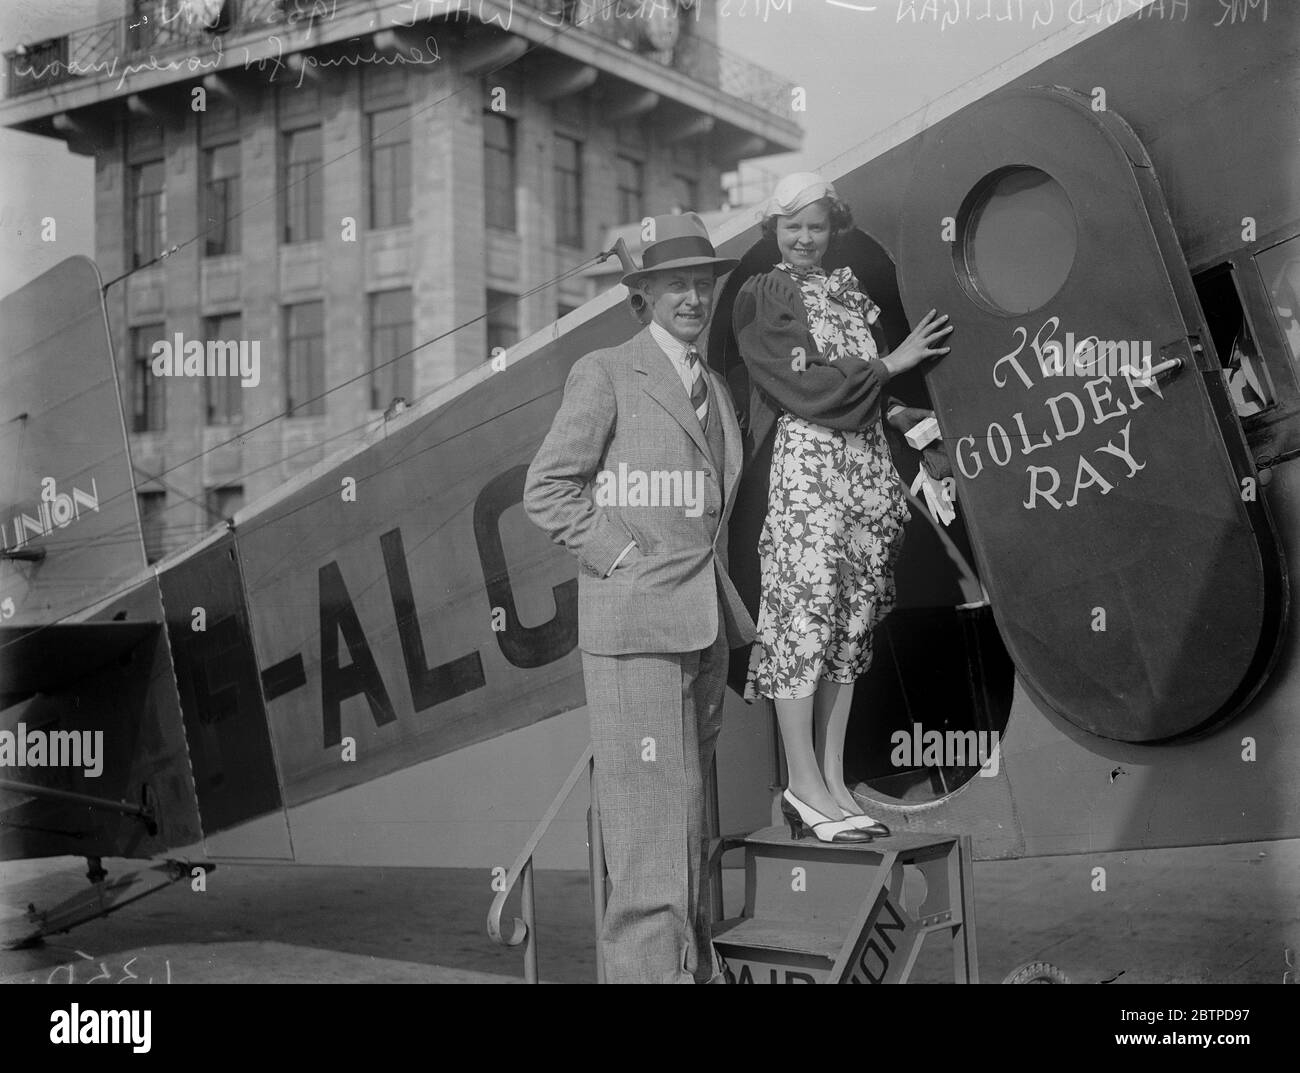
x: 669, y: 343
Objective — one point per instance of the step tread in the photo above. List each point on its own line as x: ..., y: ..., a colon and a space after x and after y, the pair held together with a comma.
x: 779, y: 835
x: 783, y: 936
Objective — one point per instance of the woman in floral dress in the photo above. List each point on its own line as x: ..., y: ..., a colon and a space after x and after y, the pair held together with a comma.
x: 836, y: 508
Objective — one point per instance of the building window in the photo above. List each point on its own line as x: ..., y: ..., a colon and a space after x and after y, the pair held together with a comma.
x: 502, y: 320
x: 148, y: 392
x: 152, y: 505
x: 221, y: 199
x: 223, y: 503
x: 304, y: 331
x: 303, y: 205
x: 500, y: 172
x: 223, y: 398
x: 631, y: 189
x: 392, y: 365
x: 686, y: 194
x: 147, y: 211
x: 390, y: 168
x: 568, y: 191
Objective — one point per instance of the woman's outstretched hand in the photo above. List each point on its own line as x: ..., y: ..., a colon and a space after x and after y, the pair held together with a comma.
x: 923, y: 343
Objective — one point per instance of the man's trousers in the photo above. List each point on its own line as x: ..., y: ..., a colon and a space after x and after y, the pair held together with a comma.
x: 655, y: 720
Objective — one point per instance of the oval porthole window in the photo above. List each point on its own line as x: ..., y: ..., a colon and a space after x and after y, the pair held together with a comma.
x: 1017, y: 239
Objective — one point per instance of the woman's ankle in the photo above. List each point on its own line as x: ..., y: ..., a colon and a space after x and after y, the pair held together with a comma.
x: 843, y: 796
x: 815, y: 795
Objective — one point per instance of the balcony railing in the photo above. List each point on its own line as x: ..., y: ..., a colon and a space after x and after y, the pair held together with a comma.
x: 624, y: 22
x: 158, y: 29
x: 733, y: 75
x: 161, y: 29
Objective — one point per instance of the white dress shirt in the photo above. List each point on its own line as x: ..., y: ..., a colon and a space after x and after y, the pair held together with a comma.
x: 676, y: 351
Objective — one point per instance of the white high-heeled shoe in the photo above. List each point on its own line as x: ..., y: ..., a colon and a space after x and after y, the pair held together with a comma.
x: 802, y: 819
x: 862, y: 822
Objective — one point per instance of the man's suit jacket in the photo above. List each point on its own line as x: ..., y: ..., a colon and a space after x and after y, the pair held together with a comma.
x: 625, y: 411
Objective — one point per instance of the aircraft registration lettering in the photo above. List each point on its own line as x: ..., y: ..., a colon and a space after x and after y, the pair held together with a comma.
x: 523, y: 646
x: 361, y: 676
x: 428, y: 685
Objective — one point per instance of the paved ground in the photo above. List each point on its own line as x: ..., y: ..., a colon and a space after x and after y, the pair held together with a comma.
x: 1222, y: 914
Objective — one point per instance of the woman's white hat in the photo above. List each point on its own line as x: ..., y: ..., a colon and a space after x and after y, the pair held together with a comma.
x: 797, y: 191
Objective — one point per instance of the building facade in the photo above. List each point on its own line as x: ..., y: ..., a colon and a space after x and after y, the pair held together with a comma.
x: 367, y: 197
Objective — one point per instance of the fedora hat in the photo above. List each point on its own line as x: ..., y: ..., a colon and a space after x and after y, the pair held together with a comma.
x: 681, y: 241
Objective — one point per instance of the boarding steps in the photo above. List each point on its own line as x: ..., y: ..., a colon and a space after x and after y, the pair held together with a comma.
x: 849, y: 917
x: 846, y: 917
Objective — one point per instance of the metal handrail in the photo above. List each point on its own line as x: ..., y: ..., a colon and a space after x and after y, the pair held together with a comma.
x: 524, y: 929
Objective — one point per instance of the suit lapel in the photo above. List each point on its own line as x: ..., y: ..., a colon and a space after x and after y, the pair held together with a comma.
x: 664, y: 386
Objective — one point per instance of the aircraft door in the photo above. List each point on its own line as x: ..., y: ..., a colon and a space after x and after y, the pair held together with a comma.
x: 1130, y: 560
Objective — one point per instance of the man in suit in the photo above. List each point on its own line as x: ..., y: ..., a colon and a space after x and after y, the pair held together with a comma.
x: 637, y: 478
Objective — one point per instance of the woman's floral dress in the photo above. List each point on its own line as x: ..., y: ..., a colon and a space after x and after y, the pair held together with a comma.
x: 835, y: 517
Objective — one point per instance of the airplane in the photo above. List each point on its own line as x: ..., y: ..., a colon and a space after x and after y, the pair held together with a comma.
x: 378, y: 665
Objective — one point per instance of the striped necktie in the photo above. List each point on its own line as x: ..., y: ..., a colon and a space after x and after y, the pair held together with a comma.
x: 699, y: 387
